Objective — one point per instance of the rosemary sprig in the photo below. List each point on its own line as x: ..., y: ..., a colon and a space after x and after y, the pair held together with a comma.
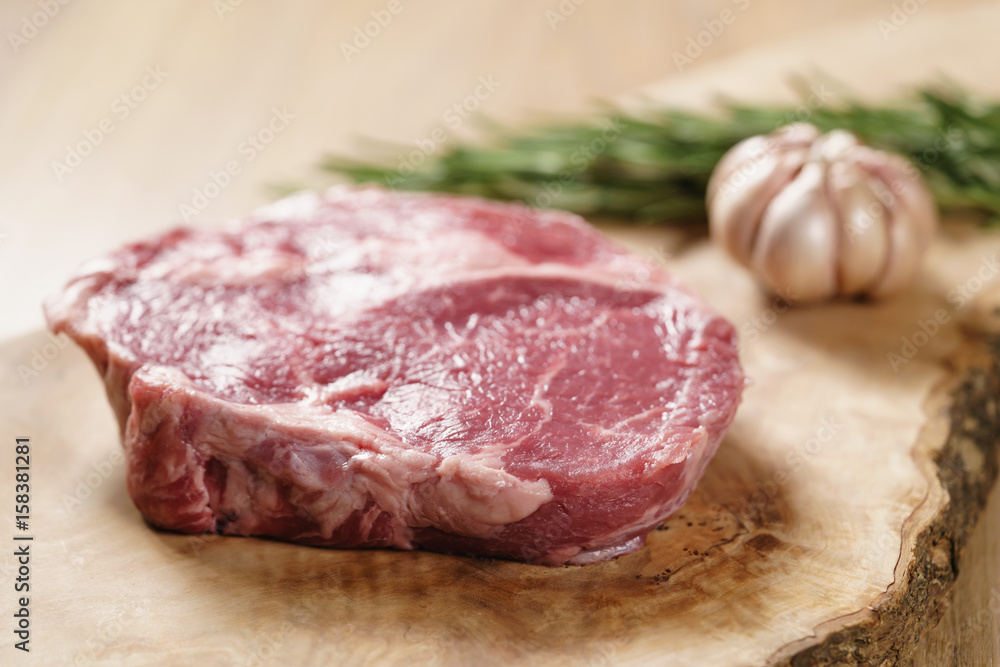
x: 655, y: 167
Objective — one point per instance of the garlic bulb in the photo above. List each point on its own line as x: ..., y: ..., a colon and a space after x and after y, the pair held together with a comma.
x: 819, y: 216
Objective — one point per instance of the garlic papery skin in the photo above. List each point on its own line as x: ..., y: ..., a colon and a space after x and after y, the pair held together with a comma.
x: 815, y: 216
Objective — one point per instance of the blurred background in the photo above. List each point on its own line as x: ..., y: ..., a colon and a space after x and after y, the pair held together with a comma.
x: 115, y: 116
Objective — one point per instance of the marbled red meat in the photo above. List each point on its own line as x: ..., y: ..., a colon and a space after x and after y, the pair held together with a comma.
x: 371, y: 369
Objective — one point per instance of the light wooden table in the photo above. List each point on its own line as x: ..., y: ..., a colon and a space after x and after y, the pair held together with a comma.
x: 163, y: 94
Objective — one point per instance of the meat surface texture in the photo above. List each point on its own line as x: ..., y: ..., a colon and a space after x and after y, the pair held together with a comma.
x: 362, y: 368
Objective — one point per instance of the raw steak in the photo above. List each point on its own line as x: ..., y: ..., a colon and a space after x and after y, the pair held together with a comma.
x: 369, y: 369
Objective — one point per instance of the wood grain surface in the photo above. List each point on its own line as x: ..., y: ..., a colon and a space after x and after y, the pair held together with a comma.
x: 824, y: 531
x: 856, y: 547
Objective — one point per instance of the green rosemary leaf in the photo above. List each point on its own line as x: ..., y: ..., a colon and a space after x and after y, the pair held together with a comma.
x: 656, y: 167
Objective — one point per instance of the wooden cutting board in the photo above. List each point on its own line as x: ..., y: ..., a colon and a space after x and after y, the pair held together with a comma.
x: 825, y: 529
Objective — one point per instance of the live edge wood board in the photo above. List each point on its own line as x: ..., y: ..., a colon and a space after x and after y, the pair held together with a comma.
x: 825, y: 531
